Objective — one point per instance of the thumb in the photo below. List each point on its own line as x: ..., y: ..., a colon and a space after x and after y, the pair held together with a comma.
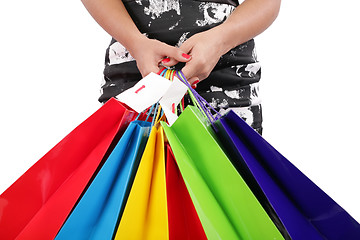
x: 193, y: 82
x: 174, y: 56
x: 190, y: 74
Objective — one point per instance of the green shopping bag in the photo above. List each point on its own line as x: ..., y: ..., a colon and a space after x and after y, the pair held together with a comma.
x: 226, y: 206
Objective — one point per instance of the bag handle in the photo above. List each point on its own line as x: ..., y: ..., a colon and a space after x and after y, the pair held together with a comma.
x: 205, y: 108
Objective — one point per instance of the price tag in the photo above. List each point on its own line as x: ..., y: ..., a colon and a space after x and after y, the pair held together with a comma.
x: 145, y: 93
x: 172, y: 98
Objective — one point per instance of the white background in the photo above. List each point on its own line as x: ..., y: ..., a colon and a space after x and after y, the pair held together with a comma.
x: 51, y: 62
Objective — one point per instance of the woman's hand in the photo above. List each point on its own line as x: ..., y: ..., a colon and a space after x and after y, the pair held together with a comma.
x: 114, y: 18
x: 205, y: 49
x: 150, y: 53
x: 248, y: 20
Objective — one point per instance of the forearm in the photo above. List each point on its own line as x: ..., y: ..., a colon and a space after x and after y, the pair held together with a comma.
x: 247, y: 21
x: 113, y: 17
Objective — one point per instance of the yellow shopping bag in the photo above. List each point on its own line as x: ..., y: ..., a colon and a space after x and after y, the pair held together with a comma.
x: 145, y: 215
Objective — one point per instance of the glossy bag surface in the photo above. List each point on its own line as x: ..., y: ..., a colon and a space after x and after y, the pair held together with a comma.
x: 226, y: 207
x: 184, y: 223
x: 96, y: 214
x: 304, y: 209
x: 54, y: 183
x: 145, y: 215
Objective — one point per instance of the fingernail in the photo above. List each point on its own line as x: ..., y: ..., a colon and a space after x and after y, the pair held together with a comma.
x: 196, y: 82
x: 193, y: 86
x: 166, y: 60
x: 186, y: 56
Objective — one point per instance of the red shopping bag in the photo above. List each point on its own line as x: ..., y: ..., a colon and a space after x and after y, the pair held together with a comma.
x: 184, y: 222
x: 38, y: 203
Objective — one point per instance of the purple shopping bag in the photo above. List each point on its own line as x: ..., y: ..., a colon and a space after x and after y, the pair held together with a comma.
x: 292, y: 199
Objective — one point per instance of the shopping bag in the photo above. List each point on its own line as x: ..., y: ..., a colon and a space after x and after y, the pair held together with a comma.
x: 145, y: 213
x: 96, y: 214
x: 226, y: 207
x: 37, y: 204
x: 184, y: 223
x: 304, y: 209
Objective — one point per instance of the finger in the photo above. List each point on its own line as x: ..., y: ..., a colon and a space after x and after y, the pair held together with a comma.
x: 187, y: 46
x: 148, y: 69
x: 175, y: 55
x: 169, y: 62
x: 189, y: 72
x: 194, y: 81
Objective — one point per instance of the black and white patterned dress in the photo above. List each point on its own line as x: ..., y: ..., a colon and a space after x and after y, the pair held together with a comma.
x: 234, y: 82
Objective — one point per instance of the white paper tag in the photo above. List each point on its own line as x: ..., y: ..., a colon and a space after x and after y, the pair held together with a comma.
x: 172, y: 98
x: 145, y: 93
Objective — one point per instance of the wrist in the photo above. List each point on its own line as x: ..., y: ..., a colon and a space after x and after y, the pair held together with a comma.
x: 134, y: 43
x: 224, y: 38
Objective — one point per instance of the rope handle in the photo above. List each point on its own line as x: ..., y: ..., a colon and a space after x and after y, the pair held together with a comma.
x: 204, y: 107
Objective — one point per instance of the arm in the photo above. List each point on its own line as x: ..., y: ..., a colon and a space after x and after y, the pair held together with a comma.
x: 248, y: 20
x: 113, y: 17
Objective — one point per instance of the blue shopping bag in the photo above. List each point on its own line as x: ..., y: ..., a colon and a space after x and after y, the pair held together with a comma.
x: 303, y: 208
x: 97, y: 212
